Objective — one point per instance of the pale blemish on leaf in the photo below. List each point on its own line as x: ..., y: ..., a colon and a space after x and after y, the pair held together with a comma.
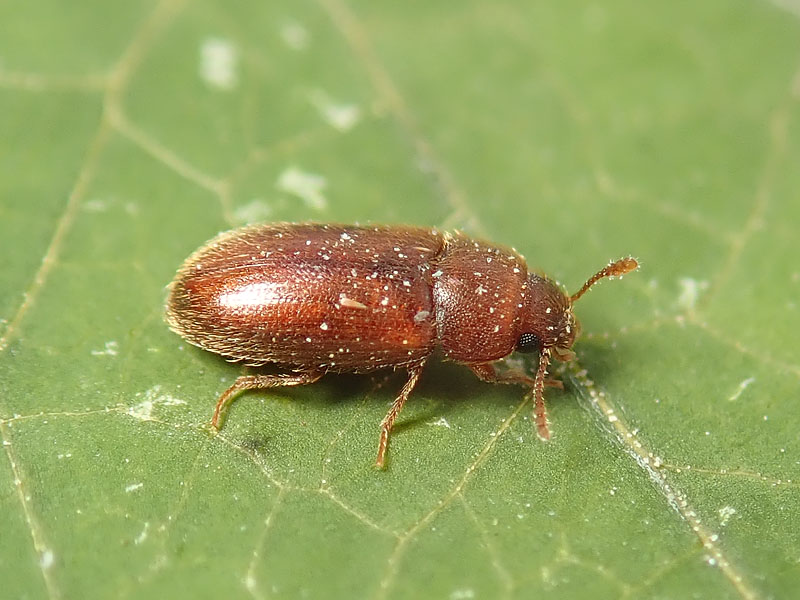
x: 255, y: 211
x: 143, y: 535
x: 152, y: 398
x: 342, y: 116
x: 690, y: 292
x: 743, y: 385
x: 294, y: 35
x: 111, y: 348
x: 306, y: 186
x: 219, y: 63
x: 725, y: 513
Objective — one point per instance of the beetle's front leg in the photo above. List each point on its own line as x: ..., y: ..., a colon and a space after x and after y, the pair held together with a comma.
x: 487, y: 372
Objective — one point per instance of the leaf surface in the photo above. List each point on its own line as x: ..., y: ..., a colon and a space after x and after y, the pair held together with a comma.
x: 575, y: 132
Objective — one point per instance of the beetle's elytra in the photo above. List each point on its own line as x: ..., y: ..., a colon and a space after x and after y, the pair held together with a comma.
x: 315, y: 298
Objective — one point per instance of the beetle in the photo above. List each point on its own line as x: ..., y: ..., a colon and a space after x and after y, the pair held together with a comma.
x: 317, y: 298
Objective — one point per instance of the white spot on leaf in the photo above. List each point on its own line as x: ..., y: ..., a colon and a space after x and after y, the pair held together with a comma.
x: 143, y: 535
x: 111, y: 349
x: 725, y: 513
x: 690, y: 292
x: 742, y: 387
x: 294, y: 35
x: 441, y: 422
x: 339, y: 115
x: 152, y: 398
x: 253, y: 212
x: 306, y: 186
x: 219, y: 60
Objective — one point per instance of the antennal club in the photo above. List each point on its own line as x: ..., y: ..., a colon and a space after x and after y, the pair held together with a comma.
x: 614, y: 269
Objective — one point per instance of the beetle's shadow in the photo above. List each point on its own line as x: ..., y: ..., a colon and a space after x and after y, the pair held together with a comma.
x: 443, y: 387
x: 333, y: 389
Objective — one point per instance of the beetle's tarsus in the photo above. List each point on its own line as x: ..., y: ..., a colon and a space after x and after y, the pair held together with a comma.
x: 554, y: 383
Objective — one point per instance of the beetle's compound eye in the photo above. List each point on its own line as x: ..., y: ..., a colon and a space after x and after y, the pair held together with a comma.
x: 529, y: 342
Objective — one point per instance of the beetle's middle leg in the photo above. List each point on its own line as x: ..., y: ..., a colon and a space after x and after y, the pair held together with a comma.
x: 260, y: 382
x: 386, y: 425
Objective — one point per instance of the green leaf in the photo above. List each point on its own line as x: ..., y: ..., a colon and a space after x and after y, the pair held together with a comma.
x: 133, y: 132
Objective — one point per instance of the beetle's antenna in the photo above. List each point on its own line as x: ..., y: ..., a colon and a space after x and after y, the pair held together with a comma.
x: 614, y: 269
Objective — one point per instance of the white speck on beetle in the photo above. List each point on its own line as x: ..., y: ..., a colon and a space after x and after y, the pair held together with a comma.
x: 324, y: 326
x: 350, y: 303
x: 306, y: 186
x: 219, y: 61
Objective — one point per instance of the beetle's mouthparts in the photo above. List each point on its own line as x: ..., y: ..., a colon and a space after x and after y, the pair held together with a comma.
x: 564, y: 354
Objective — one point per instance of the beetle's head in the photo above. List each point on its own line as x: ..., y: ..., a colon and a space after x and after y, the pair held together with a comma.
x: 548, y: 322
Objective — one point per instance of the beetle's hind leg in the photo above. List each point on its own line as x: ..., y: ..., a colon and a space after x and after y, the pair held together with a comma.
x: 386, y: 425
x: 259, y: 382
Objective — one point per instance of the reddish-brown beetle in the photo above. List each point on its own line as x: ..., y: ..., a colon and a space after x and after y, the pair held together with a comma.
x: 315, y: 298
